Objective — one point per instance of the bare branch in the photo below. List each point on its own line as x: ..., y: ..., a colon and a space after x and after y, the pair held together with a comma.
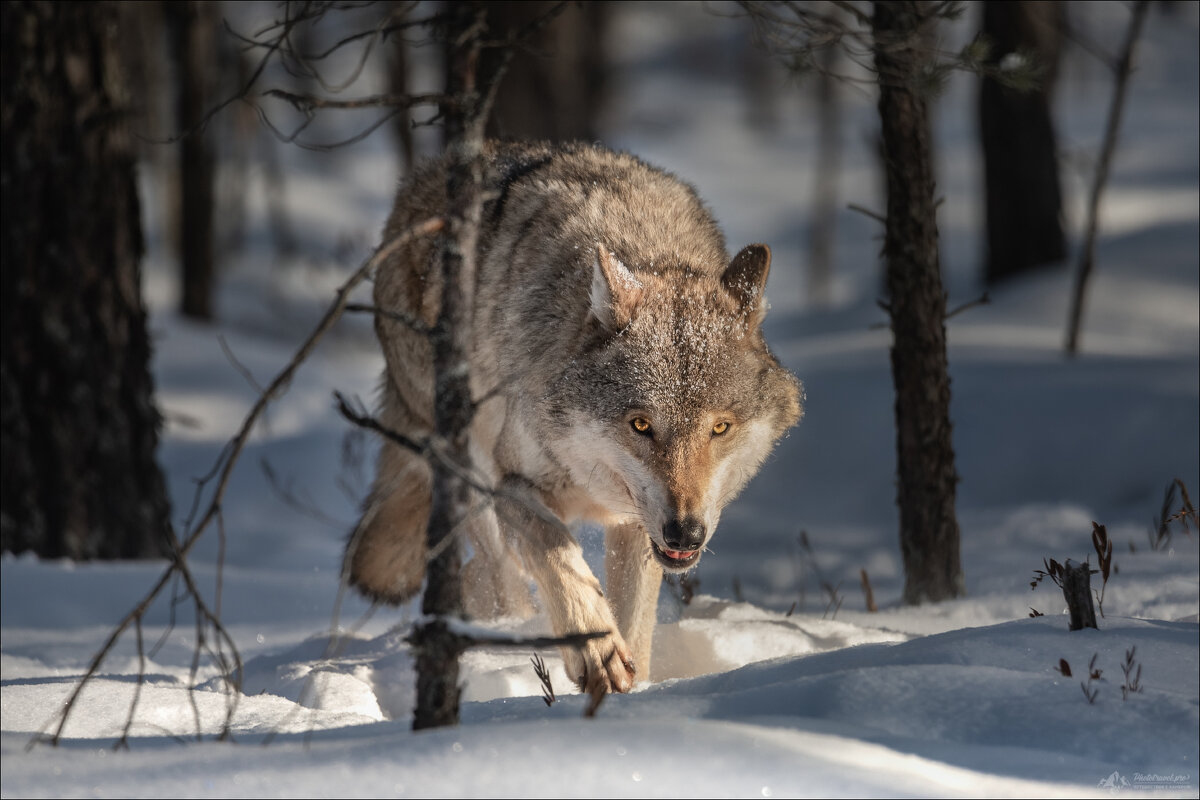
x: 983, y: 300
x: 866, y: 212
x: 417, y: 325
x: 230, y: 664
x: 473, y: 639
x: 308, y: 102
x: 1088, y: 258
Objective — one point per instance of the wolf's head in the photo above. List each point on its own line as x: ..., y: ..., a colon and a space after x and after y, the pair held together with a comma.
x: 676, y: 401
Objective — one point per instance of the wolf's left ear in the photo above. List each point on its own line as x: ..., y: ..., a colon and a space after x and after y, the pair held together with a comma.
x: 746, y: 280
x: 616, y: 292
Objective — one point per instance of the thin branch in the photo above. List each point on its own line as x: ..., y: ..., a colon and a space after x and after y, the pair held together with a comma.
x: 242, y: 369
x: 866, y: 212
x: 290, y: 499
x: 423, y: 448
x: 1088, y: 258
x: 308, y: 102
x: 480, y: 639
x: 417, y: 325
x: 983, y: 300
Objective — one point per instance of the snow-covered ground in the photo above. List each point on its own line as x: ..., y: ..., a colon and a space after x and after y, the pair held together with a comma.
x: 760, y: 686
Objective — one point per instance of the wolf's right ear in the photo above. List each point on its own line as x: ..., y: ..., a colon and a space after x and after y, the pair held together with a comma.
x: 746, y: 279
x: 616, y: 292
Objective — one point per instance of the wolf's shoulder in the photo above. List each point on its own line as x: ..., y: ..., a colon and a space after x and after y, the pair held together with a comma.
x: 579, y: 164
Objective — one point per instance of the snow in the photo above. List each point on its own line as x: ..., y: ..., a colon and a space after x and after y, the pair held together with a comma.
x: 757, y: 688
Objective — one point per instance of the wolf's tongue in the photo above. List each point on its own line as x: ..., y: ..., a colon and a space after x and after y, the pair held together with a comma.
x: 678, y: 555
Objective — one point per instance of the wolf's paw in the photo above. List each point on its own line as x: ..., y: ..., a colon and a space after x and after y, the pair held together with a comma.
x: 603, y: 664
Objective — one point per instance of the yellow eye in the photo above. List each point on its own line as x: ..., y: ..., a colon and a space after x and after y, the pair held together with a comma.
x: 641, y: 425
x: 720, y: 428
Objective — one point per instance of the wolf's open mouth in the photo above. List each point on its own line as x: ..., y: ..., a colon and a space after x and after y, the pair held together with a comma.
x: 675, y: 560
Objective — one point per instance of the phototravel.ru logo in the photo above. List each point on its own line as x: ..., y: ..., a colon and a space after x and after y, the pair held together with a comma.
x: 1144, y: 781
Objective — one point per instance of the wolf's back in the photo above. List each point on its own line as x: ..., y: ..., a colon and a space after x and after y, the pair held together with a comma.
x: 546, y: 209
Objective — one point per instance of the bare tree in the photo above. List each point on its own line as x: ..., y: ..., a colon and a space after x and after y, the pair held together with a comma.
x: 828, y: 157
x: 929, y: 537
x: 897, y: 42
x: 192, y: 25
x: 79, y: 425
x: 556, y: 78
x: 438, y: 641
x: 437, y: 647
x: 1022, y: 193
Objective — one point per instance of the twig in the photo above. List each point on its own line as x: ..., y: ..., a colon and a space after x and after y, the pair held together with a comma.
x: 1093, y: 674
x: 983, y: 300
x: 238, y: 365
x: 867, y: 593
x: 307, y: 102
x: 866, y: 212
x: 416, y: 324
x: 1133, y: 674
x: 543, y: 674
x: 1104, y: 549
x: 1088, y: 257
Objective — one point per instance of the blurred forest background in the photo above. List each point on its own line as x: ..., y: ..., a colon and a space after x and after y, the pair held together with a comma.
x: 183, y: 153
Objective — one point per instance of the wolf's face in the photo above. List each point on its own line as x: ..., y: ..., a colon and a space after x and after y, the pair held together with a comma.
x: 677, y: 406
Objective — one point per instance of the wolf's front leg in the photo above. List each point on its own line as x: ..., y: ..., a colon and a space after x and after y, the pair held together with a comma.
x: 633, y: 579
x: 570, y: 592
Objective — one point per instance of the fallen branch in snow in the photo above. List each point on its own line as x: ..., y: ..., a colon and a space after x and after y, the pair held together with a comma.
x: 466, y: 635
x: 208, y: 620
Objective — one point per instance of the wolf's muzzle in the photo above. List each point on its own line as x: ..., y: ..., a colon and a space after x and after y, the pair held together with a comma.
x: 685, y: 536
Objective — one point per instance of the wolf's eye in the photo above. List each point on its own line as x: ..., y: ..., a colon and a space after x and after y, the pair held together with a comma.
x: 720, y: 428
x: 641, y: 425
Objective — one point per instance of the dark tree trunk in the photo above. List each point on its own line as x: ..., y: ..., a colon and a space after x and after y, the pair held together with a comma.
x: 1077, y: 589
x: 555, y: 83
x: 192, y: 24
x: 398, y: 77
x: 1020, y: 154
x: 926, y: 481
x: 825, y: 194
x: 438, y: 648
x: 79, y: 426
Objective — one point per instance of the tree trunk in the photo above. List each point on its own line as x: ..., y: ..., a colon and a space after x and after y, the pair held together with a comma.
x: 555, y: 84
x: 825, y: 189
x: 437, y: 647
x: 79, y: 426
x: 929, y: 537
x: 1020, y: 155
x: 1077, y: 589
x: 192, y: 25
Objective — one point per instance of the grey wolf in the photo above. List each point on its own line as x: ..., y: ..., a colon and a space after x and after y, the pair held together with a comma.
x: 620, y: 375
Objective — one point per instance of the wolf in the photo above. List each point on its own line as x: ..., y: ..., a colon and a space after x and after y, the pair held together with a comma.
x: 619, y: 374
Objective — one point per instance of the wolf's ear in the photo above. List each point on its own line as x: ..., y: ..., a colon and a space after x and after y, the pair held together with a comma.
x: 615, y: 290
x: 746, y: 280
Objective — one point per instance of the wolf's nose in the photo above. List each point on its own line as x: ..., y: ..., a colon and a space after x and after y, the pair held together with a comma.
x: 687, y: 535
